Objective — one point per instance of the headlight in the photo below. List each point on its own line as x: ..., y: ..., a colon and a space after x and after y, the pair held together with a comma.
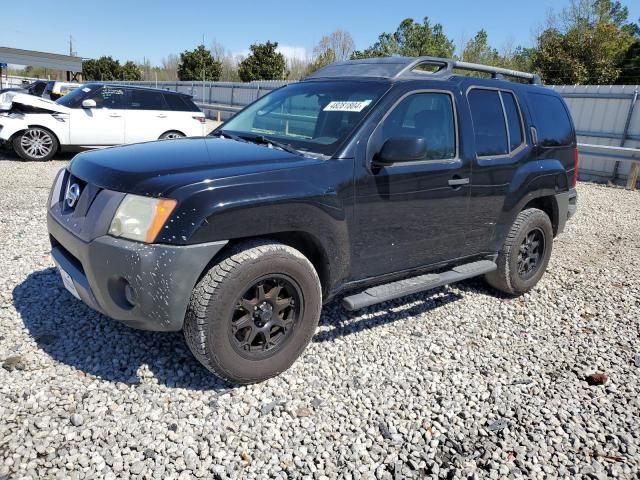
x: 141, y: 218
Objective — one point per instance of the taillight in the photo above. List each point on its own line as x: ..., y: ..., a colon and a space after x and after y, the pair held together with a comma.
x: 575, y: 167
x: 200, y: 119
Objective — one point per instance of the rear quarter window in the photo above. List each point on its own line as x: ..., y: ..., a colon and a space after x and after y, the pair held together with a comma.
x: 551, y: 120
x: 176, y: 103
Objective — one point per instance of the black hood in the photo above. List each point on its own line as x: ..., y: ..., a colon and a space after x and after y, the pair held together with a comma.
x: 157, y: 168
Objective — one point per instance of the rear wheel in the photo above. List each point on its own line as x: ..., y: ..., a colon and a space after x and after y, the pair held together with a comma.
x: 172, y: 135
x: 525, y: 254
x: 254, y: 312
x: 35, y: 144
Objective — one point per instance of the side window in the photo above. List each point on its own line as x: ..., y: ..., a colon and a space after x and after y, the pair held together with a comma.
x: 552, y: 120
x: 146, y: 100
x: 108, y: 97
x: 513, y: 120
x: 488, y: 123
x: 426, y: 115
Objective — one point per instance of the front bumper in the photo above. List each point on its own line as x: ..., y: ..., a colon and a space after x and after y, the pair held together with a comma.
x: 160, y: 278
x: 9, y: 127
x: 145, y: 286
x: 567, y: 204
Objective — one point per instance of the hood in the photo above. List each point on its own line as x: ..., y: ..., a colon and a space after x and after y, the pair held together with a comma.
x: 6, y: 99
x: 14, y: 89
x: 157, y: 168
x: 38, y: 104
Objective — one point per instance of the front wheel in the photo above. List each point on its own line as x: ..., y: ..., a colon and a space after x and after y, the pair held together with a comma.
x: 525, y: 254
x: 254, y: 312
x: 35, y: 144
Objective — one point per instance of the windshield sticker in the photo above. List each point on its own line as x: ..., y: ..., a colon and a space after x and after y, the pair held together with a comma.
x: 108, y: 92
x: 346, y: 106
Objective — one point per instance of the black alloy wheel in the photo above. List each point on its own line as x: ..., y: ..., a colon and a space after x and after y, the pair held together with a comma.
x: 265, y: 316
x: 531, y: 253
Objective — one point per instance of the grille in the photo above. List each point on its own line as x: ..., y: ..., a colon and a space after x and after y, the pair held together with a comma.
x: 88, y: 194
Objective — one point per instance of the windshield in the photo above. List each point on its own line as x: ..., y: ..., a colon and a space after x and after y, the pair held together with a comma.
x: 313, y: 117
x: 36, y: 88
x: 74, y: 99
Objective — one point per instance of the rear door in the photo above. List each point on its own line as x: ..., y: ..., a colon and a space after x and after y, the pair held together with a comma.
x: 413, y: 214
x: 501, y: 148
x: 147, y: 117
x: 102, y: 125
x: 185, y: 116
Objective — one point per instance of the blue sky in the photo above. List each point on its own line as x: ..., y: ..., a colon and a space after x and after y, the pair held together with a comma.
x: 137, y: 29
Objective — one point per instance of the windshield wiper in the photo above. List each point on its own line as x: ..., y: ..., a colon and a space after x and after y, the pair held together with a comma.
x: 259, y: 139
x: 231, y: 136
x: 262, y: 140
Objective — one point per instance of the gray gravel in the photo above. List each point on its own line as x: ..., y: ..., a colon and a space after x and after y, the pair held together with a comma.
x: 455, y: 383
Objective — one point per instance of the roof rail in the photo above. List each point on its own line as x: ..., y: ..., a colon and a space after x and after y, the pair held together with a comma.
x: 448, y: 65
x: 405, y: 67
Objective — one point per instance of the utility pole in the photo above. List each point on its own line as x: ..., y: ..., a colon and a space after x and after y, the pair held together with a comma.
x: 70, y: 53
x: 203, y: 70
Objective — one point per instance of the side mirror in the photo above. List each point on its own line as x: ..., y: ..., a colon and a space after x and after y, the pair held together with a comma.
x: 88, y: 103
x: 401, y: 149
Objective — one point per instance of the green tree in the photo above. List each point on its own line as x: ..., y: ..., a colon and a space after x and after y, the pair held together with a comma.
x: 199, y: 64
x: 321, y: 60
x: 103, y: 69
x: 263, y: 63
x: 478, y: 50
x: 131, y: 71
x: 630, y: 66
x: 588, y: 46
x: 411, y: 39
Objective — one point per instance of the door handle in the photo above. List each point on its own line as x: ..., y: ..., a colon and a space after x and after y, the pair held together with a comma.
x: 115, y: 115
x: 457, y: 182
x: 162, y: 116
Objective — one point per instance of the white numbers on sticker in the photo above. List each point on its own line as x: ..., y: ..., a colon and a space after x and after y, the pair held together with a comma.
x: 346, y: 106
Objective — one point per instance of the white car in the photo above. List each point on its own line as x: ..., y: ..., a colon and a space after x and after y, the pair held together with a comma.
x: 97, y: 115
x: 55, y: 90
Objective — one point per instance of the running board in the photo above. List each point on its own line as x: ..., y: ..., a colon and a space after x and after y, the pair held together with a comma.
x: 409, y: 286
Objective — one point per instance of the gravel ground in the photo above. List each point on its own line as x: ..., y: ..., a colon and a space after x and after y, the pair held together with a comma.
x: 455, y: 383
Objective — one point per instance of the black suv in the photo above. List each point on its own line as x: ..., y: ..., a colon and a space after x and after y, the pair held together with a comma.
x: 372, y: 178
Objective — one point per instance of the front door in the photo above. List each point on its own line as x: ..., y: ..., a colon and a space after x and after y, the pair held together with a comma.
x: 102, y: 125
x: 412, y: 214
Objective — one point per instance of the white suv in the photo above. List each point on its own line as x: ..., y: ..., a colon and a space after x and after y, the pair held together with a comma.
x: 97, y: 115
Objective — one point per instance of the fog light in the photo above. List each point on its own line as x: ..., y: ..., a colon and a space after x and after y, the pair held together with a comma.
x: 129, y: 294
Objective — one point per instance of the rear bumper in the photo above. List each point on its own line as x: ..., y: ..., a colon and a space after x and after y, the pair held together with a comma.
x: 567, y: 204
x: 144, y: 286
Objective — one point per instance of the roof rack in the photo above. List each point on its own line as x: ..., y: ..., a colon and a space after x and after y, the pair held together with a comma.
x: 448, y: 65
x: 407, y: 67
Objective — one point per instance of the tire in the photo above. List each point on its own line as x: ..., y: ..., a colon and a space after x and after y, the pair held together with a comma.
x: 172, y: 135
x: 36, y: 144
x: 218, y: 324
x: 516, y: 256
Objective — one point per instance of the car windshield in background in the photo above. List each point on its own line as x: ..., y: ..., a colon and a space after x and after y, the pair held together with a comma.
x: 312, y: 117
x: 74, y: 99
